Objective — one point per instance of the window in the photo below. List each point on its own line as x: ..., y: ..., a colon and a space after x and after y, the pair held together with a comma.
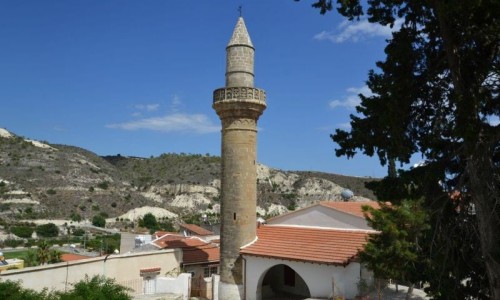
x: 208, y: 271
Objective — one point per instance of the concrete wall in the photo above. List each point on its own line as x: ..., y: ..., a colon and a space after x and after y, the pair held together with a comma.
x: 124, y: 268
x: 320, y: 279
x: 321, y: 216
x: 178, y: 286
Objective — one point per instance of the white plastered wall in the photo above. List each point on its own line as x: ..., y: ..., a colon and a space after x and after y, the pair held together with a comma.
x: 320, y: 278
x: 124, y: 268
x: 320, y: 216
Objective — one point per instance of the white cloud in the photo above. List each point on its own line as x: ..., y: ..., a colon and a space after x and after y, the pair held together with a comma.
x: 352, y: 100
x: 177, y: 122
x: 175, y: 103
x: 345, y: 126
x: 148, y: 107
x: 357, y: 31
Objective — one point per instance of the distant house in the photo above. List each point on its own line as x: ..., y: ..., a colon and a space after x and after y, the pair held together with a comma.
x: 309, y: 253
x: 199, y: 257
x: 194, y: 230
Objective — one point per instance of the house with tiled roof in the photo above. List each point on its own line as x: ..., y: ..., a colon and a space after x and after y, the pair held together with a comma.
x: 309, y: 253
x: 199, y: 257
x: 194, y: 230
x: 328, y: 214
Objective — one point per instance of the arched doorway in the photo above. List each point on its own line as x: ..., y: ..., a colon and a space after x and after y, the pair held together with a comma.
x: 282, y: 282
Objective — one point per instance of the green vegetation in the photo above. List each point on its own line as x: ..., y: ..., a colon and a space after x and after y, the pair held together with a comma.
x: 75, y: 217
x: 105, y: 244
x: 433, y: 96
x: 22, y: 231
x: 95, y: 288
x: 12, y: 243
x: 78, y: 232
x: 15, y: 254
x: 47, y: 230
x: 395, y: 253
x: 99, y: 221
x: 103, y: 185
x: 12, y: 290
x: 150, y: 222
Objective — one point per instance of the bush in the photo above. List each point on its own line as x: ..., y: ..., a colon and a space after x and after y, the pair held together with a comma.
x: 149, y: 221
x: 13, y: 290
x: 97, y: 287
x: 22, y: 231
x: 75, y: 217
x: 99, y: 221
x: 47, y: 230
x: 78, y: 232
x: 103, y: 185
x: 12, y: 243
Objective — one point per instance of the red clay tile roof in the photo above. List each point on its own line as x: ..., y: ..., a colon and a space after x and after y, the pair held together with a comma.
x: 72, y: 257
x: 326, y: 246
x: 351, y: 207
x: 197, y: 230
x: 178, y: 241
x: 198, y: 255
x: 194, y: 250
x: 160, y: 233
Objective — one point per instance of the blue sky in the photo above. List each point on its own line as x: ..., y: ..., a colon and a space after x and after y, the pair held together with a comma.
x: 136, y: 77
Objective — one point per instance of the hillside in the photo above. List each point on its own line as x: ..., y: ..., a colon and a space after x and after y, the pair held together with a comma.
x: 42, y: 180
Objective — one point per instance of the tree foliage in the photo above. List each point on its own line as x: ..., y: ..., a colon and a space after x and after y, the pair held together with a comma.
x: 395, y: 252
x: 47, y: 230
x: 12, y: 290
x: 96, y: 288
x: 436, y: 95
x: 22, y: 231
x: 99, y: 221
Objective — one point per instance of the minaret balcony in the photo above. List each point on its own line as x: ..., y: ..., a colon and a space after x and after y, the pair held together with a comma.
x: 231, y: 94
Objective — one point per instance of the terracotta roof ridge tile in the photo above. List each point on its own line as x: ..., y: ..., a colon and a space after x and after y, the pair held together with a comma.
x: 352, y: 208
x: 251, y: 243
x: 293, y: 211
x: 324, y: 228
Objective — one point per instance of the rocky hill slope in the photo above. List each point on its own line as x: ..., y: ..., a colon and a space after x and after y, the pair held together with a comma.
x: 41, y: 180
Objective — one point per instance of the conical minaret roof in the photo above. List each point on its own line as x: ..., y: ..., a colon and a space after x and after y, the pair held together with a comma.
x: 240, y: 35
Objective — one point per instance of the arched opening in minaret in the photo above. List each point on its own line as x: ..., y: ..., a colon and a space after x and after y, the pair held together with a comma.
x: 282, y: 282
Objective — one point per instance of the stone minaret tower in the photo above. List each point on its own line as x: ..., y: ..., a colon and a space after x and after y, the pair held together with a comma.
x: 239, y: 106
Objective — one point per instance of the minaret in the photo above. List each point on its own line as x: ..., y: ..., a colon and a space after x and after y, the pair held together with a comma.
x: 239, y: 106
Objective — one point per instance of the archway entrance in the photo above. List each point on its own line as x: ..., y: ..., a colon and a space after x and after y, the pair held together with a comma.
x: 282, y: 282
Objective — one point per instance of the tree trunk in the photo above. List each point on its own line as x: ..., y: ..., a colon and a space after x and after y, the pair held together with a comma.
x: 485, y: 191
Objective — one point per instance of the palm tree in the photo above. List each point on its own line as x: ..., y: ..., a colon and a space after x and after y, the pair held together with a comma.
x: 54, y: 256
x: 43, y: 252
x: 31, y: 258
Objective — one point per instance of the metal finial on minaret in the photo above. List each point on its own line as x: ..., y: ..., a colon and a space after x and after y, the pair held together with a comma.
x: 240, y: 9
x: 239, y: 105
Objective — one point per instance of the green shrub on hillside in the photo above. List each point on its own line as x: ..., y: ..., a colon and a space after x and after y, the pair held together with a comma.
x: 22, y: 231
x: 99, y: 221
x: 47, y: 230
